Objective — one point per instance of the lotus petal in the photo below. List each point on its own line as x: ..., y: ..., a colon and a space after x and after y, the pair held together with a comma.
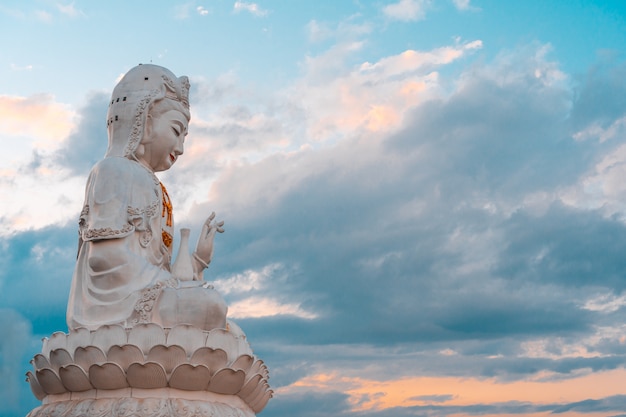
x: 188, y: 337
x: 56, y: 341
x: 88, y: 355
x: 125, y: 355
x: 243, y: 362
x: 109, y: 335
x: 50, y: 381
x: 80, y: 337
x: 243, y: 347
x: 251, y: 388
x: 264, y: 371
x: 258, y: 393
x: 35, y: 387
x: 107, y: 376
x: 190, y: 377
x: 259, y: 368
x: 223, y: 339
x: 213, y: 359
x: 168, y: 356
x: 40, y: 362
x: 260, y: 404
x: 227, y: 381
x: 74, y: 378
x: 60, y: 357
x: 45, y: 350
x: 146, y: 335
x: 147, y: 375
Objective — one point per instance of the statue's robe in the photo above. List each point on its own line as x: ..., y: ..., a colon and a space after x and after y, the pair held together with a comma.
x: 124, y: 209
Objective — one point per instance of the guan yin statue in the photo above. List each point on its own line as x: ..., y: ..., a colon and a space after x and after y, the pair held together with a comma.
x: 146, y: 337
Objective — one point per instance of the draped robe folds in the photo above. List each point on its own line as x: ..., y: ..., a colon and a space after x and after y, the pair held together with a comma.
x: 123, y: 216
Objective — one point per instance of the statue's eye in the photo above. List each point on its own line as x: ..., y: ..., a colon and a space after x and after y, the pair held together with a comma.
x: 176, y: 131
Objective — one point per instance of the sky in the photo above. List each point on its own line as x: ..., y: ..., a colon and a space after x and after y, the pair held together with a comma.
x: 424, y: 200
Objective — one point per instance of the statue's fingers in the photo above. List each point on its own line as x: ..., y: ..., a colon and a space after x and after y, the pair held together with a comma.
x: 206, y: 228
x: 220, y: 229
x: 211, y: 217
x: 220, y: 224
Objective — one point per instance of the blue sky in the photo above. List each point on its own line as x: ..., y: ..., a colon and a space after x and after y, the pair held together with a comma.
x: 424, y: 200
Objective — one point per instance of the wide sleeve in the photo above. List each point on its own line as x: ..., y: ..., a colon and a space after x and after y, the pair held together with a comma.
x: 118, y: 201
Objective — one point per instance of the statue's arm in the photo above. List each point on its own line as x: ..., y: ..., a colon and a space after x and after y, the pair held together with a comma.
x: 115, y: 260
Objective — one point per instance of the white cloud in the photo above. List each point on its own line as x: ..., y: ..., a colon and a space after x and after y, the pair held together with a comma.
x: 255, y: 307
x: 318, y: 31
x: 70, y: 10
x: 202, y: 11
x: 15, y: 67
x: 605, y: 303
x: 407, y: 10
x: 253, y: 8
x: 372, y: 96
x: 248, y: 280
x: 462, y: 4
x: 61, y: 196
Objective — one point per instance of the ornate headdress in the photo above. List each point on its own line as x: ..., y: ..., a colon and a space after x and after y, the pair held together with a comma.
x: 131, y: 101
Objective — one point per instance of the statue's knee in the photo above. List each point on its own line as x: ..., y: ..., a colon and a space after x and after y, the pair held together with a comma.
x: 200, y: 307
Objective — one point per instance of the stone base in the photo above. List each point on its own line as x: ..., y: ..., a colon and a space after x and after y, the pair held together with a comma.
x: 139, y: 407
x: 148, y: 370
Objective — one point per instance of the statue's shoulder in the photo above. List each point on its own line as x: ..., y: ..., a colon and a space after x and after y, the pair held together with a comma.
x: 121, y: 181
x: 115, y: 164
x: 117, y: 169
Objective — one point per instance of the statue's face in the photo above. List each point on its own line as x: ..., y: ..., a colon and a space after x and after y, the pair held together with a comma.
x: 163, y: 141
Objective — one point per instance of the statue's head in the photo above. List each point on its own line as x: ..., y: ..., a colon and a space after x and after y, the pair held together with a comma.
x: 146, y: 95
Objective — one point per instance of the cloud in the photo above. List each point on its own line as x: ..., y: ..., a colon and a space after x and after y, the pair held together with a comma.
x: 445, y: 233
x: 70, y: 10
x: 37, y: 116
x: 87, y: 143
x: 202, y: 11
x: 463, y: 4
x: 15, y: 67
x: 56, y: 167
x: 460, y: 396
x: 439, y: 193
x: 252, y: 8
x: 339, y: 99
x: 17, y: 347
x: 407, y: 10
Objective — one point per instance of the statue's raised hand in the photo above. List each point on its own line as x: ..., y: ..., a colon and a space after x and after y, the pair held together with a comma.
x: 204, y: 248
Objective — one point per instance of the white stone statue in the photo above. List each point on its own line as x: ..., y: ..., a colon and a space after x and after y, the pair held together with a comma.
x: 123, y: 271
x: 146, y: 338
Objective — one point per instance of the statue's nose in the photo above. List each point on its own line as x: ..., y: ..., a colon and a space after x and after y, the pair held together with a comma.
x: 180, y: 148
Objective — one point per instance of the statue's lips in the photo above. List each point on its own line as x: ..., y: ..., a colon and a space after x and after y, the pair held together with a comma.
x: 173, y: 158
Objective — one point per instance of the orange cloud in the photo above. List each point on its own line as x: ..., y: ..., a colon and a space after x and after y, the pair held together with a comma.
x: 37, y: 116
x: 367, y: 394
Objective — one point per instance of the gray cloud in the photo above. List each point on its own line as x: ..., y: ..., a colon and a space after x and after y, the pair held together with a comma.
x: 88, y: 142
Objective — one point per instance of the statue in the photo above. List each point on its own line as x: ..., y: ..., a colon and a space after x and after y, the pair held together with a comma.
x: 146, y: 337
x: 123, y: 271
